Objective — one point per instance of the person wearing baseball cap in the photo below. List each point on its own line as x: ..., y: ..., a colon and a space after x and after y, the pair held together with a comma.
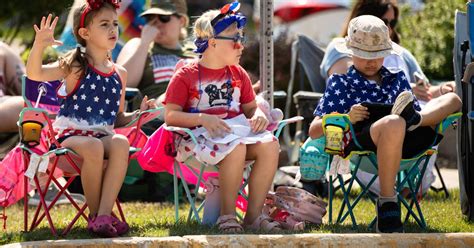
x: 151, y: 59
x: 395, y: 128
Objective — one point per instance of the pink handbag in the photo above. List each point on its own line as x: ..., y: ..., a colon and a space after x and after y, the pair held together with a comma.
x: 292, y: 207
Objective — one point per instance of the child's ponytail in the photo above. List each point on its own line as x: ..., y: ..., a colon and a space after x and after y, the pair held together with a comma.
x: 74, y: 59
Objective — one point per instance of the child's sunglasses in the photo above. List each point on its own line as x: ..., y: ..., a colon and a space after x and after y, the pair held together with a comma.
x: 235, y: 39
x: 392, y: 23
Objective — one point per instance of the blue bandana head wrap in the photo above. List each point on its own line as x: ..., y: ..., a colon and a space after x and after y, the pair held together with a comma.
x: 222, y: 21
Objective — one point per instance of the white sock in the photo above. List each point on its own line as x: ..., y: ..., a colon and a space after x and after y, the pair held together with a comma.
x: 383, y: 199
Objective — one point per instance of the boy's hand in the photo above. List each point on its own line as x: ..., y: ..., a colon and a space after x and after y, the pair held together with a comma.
x: 214, y: 125
x: 358, y: 113
x: 45, y: 33
x: 258, y: 123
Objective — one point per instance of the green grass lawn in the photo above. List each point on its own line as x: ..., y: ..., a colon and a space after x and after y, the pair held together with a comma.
x: 151, y: 219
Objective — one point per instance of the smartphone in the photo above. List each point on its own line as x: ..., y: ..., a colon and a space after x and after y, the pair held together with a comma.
x: 419, y: 79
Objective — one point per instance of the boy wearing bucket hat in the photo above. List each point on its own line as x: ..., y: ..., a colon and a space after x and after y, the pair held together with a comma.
x: 396, y: 128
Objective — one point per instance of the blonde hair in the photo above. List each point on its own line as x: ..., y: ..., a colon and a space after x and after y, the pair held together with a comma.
x: 203, y: 28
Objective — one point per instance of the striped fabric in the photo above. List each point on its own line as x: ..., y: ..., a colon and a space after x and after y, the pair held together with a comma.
x: 163, y: 67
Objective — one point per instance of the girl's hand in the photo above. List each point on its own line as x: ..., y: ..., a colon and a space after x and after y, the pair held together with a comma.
x: 149, y: 32
x: 147, y: 104
x: 358, y: 113
x: 214, y: 125
x: 258, y: 123
x: 45, y: 33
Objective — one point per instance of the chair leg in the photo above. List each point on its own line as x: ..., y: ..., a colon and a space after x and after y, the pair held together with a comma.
x: 414, y: 184
x: 346, y: 202
x: 176, y: 189
x: 190, y: 198
x: 331, y: 192
x: 443, y: 185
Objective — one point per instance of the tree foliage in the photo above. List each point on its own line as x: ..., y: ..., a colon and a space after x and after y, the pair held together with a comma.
x: 429, y: 35
x: 20, y: 15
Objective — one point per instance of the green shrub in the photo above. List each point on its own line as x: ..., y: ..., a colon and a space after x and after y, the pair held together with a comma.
x: 429, y: 35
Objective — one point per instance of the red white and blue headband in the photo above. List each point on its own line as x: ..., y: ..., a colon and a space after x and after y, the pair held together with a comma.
x: 96, y: 4
x: 222, y: 21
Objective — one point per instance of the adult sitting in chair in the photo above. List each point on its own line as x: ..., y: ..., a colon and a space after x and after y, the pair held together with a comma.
x: 151, y: 59
x: 11, y: 103
x: 404, y: 132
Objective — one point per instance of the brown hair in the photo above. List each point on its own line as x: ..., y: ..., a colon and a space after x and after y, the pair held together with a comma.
x: 75, y: 57
x: 376, y: 8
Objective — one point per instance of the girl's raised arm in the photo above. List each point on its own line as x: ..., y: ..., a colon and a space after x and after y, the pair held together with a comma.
x: 44, y: 37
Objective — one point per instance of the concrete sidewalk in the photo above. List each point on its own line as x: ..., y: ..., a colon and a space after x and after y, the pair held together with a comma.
x: 450, y: 176
x: 432, y: 240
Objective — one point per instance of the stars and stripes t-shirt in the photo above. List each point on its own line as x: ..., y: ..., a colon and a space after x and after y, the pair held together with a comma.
x: 93, y: 105
x: 345, y: 90
x: 163, y: 67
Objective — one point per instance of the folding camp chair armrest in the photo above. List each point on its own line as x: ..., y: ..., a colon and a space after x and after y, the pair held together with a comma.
x: 283, y: 123
x: 448, y: 121
x: 181, y: 130
x: 131, y: 92
x: 340, y: 120
x: 145, y: 117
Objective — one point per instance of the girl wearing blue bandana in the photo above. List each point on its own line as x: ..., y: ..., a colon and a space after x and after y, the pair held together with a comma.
x: 214, y: 94
x: 386, y: 116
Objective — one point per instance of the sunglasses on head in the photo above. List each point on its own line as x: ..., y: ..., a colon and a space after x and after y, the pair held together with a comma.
x: 392, y: 23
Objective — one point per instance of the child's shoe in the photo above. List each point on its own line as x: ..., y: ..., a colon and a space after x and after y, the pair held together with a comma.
x: 121, y: 226
x: 404, y: 107
x: 102, y: 226
x: 90, y: 222
x: 388, y: 218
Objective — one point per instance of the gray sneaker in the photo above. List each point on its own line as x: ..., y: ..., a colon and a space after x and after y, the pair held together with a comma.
x: 51, y: 194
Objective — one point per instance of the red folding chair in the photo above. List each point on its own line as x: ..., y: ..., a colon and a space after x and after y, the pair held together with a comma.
x: 44, y: 157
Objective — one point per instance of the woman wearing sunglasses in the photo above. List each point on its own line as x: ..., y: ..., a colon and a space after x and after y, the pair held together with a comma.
x: 152, y: 58
x: 337, y: 62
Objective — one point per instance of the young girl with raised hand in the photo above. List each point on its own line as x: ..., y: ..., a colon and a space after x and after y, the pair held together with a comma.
x: 215, y: 94
x: 92, y: 102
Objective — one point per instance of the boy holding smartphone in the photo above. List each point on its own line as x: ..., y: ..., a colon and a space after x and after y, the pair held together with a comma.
x: 404, y: 132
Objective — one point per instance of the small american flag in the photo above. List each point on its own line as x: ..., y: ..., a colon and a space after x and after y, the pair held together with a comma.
x: 163, y: 67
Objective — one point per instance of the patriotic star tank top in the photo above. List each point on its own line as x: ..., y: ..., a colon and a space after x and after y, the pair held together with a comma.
x: 91, y: 108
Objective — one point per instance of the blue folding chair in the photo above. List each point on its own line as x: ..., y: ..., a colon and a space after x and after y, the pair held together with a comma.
x: 409, y: 177
x: 200, y: 169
